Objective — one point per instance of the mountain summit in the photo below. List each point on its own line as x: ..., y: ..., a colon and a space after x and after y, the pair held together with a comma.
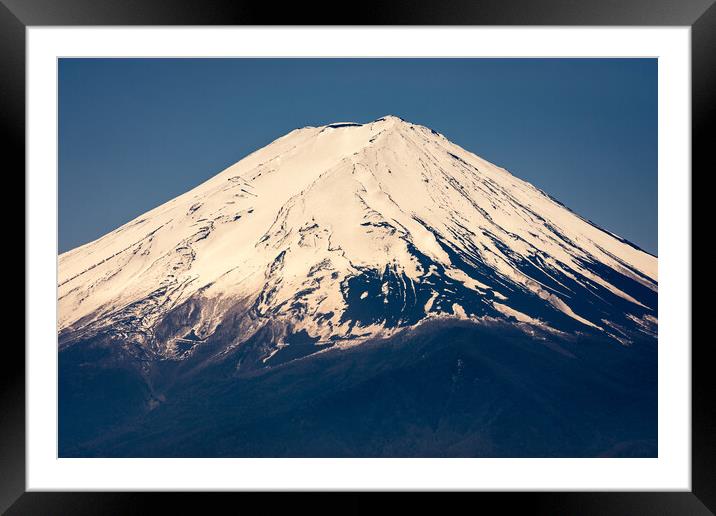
x: 334, y: 235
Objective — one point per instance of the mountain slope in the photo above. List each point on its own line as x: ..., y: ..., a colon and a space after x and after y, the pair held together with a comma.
x: 449, y: 389
x: 358, y: 290
x: 348, y: 232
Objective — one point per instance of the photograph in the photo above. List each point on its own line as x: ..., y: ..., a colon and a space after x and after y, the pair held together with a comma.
x: 357, y: 257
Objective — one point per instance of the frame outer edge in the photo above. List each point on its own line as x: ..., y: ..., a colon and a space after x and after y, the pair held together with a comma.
x: 12, y: 365
x: 395, y: 12
x: 12, y: 124
x: 703, y: 120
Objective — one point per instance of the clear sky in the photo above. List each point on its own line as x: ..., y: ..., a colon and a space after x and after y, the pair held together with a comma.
x: 134, y: 133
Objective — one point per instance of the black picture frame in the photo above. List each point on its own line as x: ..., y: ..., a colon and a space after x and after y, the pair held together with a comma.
x: 700, y: 15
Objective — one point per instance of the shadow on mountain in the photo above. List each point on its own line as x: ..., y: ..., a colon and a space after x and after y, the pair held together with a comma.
x: 444, y: 390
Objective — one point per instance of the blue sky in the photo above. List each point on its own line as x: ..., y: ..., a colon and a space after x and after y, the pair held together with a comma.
x: 134, y: 133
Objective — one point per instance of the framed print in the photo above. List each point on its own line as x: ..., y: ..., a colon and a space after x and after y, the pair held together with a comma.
x: 395, y: 255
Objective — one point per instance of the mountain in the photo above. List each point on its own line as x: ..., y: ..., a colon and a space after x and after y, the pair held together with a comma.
x: 344, y: 248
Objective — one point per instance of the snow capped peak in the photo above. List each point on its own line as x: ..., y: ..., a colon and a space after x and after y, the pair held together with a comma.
x: 349, y: 232
x: 390, y: 118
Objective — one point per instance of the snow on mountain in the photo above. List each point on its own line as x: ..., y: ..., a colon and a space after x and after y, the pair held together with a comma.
x: 348, y: 232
